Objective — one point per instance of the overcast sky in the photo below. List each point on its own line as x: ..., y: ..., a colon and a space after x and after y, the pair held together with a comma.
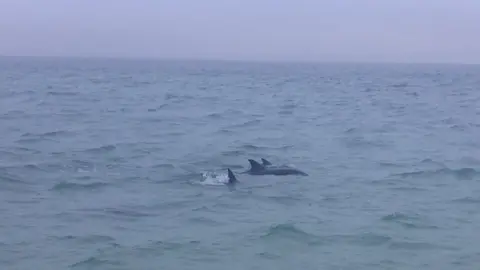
x: 319, y: 30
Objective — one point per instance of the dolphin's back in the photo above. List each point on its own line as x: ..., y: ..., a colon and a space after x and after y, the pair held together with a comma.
x: 283, y: 171
x: 268, y: 169
x: 231, y: 177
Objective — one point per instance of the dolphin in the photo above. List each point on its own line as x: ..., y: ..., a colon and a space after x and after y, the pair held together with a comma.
x: 260, y: 169
x: 266, y: 162
x: 232, y: 180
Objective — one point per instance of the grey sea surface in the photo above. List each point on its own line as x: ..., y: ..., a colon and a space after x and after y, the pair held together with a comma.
x: 121, y: 164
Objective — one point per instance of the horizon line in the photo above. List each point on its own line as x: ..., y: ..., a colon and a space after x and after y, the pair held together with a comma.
x: 234, y: 60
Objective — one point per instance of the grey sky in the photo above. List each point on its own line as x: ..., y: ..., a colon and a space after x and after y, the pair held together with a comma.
x: 321, y: 30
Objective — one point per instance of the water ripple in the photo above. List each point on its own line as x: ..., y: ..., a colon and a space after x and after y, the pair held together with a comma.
x: 103, y: 164
x: 67, y: 186
x: 460, y: 174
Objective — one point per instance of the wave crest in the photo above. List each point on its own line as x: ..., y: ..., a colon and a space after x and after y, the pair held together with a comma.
x: 461, y: 174
x: 76, y: 186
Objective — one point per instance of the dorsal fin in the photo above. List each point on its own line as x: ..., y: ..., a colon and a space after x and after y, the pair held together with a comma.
x: 255, y: 165
x: 231, y: 177
x: 266, y: 162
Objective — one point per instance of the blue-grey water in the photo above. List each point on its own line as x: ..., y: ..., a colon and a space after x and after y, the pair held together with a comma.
x: 120, y: 164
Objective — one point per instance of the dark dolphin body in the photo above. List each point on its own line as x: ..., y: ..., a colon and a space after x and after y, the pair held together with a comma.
x: 263, y: 169
x: 231, y: 178
x: 266, y: 162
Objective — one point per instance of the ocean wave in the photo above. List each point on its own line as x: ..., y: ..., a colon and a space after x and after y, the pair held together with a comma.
x: 285, y: 112
x: 391, y: 164
x: 161, y: 246
x: 225, y: 131
x: 101, y: 149
x: 409, y: 189
x: 351, y: 130
x: 289, y: 106
x: 178, y: 98
x: 137, y: 83
x: 32, y: 138
x: 10, y: 178
x: 288, y: 231
x: 204, y: 221
x: 124, y: 212
x: 54, y: 166
x: 82, y: 164
x: 94, y: 262
x: 86, y: 239
x: 468, y: 200
x: 114, y: 255
x: 164, y: 166
x: 189, y: 177
x: 246, y: 124
x: 66, y: 186
x: 29, y: 140
x: 17, y: 150
x: 410, y: 245
x: 62, y: 93
x: 432, y: 162
x: 233, y: 153
x: 399, y: 85
x: 409, y: 221
x: 117, y: 214
x: 286, y: 200
x: 258, y: 148
x: 252, y: 147
x: 38, y: 167
x: 157, y: 109
x: 215, y: 115
x: 12, y: 114
x: 359, y: 239
x: 47, y: 134
x: 396, y: 216
x: 461, y: 174
x: 359, y: 141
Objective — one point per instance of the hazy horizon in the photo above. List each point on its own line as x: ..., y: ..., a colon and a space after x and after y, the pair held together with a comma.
x: 442, y: 31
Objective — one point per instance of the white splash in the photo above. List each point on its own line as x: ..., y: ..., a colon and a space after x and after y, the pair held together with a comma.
x: 213, y: 178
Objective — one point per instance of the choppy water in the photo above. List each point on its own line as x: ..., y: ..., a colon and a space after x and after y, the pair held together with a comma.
x: 108, y: 164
